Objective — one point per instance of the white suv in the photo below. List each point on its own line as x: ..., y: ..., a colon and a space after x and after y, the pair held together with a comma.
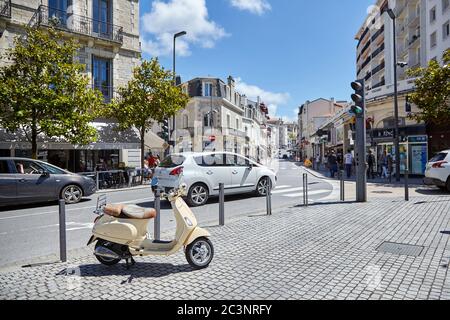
x: 203, y: 172
x: 438, y: 171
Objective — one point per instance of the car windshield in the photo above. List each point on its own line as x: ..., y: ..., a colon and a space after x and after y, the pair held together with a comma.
x: 52, y: 169
x: 172, y: 161
x: 439, y: 157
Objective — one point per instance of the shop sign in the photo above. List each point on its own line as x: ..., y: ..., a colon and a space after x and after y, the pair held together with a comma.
x: 418, y: 139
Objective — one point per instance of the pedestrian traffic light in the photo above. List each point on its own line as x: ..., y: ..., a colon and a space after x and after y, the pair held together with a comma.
x: 358, y: 97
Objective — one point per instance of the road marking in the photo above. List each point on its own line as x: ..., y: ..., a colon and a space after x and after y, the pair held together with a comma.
x: 287, y: 190
x: 281, y: 187
x: 76, y: 226
x: 315, y: 192
x: 68, y: 210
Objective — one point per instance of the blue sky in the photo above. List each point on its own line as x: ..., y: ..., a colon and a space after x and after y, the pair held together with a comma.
x: 287, y: 51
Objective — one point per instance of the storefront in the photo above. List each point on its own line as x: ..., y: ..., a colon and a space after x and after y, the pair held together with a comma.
x: 413, y: 148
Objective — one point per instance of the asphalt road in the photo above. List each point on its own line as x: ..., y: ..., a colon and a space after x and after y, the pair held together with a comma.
x: 33, y: 231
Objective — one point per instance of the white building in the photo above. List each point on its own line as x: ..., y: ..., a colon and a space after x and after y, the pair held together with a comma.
x: 108, y: 33
x: 219, y: 118
x: 437, y: 28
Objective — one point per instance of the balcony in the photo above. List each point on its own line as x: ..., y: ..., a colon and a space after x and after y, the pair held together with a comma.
x: 378, y: 51
x: 82, y: 25
x: 414, y: 38
x: 5, y: 8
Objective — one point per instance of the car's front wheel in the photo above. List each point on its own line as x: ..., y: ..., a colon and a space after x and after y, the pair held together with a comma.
x: 262, y: 186
x: 72, y: 194
x: 198, y: 195
x: 448, y: 184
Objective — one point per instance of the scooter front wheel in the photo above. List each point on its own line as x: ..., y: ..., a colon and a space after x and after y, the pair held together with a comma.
x: 200, y: 253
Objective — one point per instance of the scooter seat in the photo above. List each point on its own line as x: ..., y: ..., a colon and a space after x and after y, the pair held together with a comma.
x: 136, y: 212
x: 129, y: 211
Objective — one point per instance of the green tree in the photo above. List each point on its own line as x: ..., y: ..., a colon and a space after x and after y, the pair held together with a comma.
x: 43, y: 90
x: 149, y: 97
x: 432, y: 92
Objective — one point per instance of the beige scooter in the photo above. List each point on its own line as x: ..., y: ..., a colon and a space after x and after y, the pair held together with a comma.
x: 121, y: 233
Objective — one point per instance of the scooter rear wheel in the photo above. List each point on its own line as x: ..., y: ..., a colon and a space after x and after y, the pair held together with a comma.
x: 200, y: 253
x: 103, y: 260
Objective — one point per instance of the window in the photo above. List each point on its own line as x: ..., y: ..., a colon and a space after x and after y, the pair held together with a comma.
x: 237, y: 124
x: 207, y: 89
x: 439, y: 157
x: 446, y: 30
x: 27, y: 167
x: 57, y: 11
x: 210, y: 160
x: 52, y: 169
x: 445, y: 5
x: 172, y: 162
x: 101, y: 74
x: 102, y: 16
x: 228, y: 121
x: 185, y: 121
x: 4, y: 168
x: 433, y: 40
x: 433, y: 14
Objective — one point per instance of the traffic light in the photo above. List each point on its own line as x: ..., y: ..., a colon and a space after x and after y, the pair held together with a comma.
x: 352, y: 124
x: 358, y: 98
x: 165, y: 130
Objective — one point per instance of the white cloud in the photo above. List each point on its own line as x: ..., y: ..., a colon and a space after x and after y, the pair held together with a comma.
x: 271, y: 99
x: 254, y: 6
x: 167, y: 18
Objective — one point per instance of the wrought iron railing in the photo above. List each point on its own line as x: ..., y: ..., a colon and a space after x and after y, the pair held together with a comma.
x: 48, y: 16
x: 5, y: 8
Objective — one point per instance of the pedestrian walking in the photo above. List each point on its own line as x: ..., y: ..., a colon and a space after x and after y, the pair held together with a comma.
x: 384, y: 165
x: 348, y: 161
x: 332, y: 164
x: 371, y: 164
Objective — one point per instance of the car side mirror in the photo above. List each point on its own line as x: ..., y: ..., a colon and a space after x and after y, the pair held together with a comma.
x: 46, y: 174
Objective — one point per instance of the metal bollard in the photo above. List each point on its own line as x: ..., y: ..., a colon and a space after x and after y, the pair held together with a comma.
x: 269, y: 198
x: 62, y: 231
x: 342, y: 185
x: 305, y: 190
x: 157, y: 225
x: 98, y: 180
x: 221, y: 204
x: 406, y: 185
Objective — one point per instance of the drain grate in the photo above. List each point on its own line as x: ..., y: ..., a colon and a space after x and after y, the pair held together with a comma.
x: 400, y: 249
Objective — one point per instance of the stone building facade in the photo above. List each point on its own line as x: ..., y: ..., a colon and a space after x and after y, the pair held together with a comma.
x: 108, y: 34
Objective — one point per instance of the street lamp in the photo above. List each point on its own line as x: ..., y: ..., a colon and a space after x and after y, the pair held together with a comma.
x: 391, y: 14
x: 177, y: 35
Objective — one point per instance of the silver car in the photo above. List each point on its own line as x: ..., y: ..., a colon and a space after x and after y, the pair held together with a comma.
x: 31, y: 181
x: 203, y: 172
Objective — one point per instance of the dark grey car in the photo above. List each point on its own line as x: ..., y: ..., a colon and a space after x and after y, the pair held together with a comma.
x: 30, y: 181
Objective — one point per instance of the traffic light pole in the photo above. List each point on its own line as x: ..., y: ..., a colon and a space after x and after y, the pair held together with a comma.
x: 360, y: 145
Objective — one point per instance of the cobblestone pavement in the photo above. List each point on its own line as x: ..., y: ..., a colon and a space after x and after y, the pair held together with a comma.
x: 326, y: 251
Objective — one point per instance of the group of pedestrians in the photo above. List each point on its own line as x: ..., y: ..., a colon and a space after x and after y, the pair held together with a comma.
x: 334, y: 162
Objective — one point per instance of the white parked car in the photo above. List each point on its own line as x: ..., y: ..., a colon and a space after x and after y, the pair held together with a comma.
x: 438, y: 171
x: 203, y: 172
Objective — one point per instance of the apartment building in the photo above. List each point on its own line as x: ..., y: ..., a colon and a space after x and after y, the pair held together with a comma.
x: 421, y: 35
x: 312, y: 115
x: 218, y: 118
x: 108, y: 33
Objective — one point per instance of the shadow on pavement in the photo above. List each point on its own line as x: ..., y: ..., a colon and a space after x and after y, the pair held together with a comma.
x: 432, y: 192
x: 315, y: 204
x: 139, y: 270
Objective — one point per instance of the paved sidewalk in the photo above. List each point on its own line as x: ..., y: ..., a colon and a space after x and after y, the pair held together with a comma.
x: 326, y: 251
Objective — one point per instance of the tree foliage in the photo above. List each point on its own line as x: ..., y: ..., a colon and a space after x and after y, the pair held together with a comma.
x: 43, y: 89
x: 149, y: 97
x: 432, y: 92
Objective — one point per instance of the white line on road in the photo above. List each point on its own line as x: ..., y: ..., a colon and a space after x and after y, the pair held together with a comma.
x: 287, y: 190
x: 67, y: 210
x: 315, y: 192
x: 281, y: 187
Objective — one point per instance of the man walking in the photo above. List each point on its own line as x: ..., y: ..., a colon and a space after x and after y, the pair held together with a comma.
x: 348, y: 161
x: 371, y: 164
x: 332, y: 164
